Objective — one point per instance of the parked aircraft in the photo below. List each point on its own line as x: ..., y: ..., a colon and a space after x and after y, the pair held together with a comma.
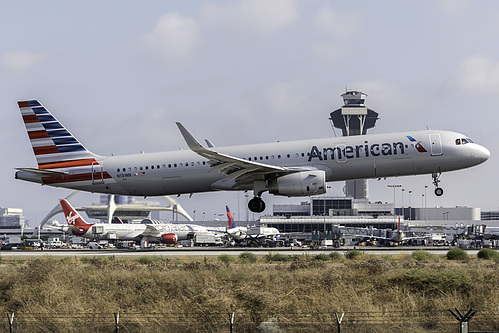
x: 238, y: 233
x: 149, y: 230
x: 250, y: 233
x: 296, y: 168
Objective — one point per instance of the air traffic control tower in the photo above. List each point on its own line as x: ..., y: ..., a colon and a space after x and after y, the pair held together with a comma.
x: 354, y: 118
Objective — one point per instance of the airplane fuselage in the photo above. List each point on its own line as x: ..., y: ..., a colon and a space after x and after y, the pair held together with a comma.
x: 343, y: 158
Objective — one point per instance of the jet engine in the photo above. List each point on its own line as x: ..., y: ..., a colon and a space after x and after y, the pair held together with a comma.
x: 169, y: 238
x: 298, y: 184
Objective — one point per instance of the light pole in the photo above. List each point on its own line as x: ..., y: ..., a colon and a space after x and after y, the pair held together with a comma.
x: 410, y: 207
x: 425, y: 201
x: 394, y: 207
x: 403, y: 208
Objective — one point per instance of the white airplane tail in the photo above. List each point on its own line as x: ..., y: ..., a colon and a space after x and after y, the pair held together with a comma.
x: 53, y: 145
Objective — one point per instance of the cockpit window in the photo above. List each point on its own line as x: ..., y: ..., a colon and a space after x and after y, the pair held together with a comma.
x: 463, y: 141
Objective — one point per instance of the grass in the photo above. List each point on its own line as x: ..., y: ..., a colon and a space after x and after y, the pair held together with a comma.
x: 457, y: 254
x: 269, y: 284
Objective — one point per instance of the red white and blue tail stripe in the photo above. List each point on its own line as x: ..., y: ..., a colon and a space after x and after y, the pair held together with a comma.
x: 53, y: 145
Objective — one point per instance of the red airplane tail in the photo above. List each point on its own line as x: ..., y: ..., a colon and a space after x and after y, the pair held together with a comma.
x: 72, y: 216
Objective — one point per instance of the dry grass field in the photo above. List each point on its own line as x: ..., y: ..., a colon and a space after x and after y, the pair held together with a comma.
x: 273, y: 289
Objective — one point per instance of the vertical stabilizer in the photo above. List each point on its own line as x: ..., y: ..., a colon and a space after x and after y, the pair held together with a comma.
x: 53, y: 145
x: 230, y: 220
x: 72, y: 216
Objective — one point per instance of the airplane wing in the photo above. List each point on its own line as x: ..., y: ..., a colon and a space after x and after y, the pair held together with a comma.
x: 238, y: 169
x: 151, y: 231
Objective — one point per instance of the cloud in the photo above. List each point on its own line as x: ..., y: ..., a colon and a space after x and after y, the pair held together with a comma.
x: 336, y: 31
x: 339, y: 25
x: 261, y: 16
x: 21, y: 60
x: 173, y: 38
x: 477, y: 75
x: 289, y: 97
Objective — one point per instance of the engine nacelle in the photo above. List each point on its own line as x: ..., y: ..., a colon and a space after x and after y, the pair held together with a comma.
x: 298, y: 184
x: 169, y: 238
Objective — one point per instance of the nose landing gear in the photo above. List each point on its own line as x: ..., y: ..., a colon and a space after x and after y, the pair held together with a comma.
x: 436, y: 179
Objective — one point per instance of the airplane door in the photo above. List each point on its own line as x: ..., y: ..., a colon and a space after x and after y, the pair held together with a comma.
x: 340, y: 156
x: 436, y: 145
x: 97, y: 173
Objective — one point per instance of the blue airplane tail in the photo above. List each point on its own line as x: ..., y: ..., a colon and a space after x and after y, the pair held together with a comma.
x: 230, y: 220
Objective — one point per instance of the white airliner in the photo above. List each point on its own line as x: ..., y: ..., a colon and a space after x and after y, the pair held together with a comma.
x: 252, y: 233
x: 168, y: 233
x: 296, y: 168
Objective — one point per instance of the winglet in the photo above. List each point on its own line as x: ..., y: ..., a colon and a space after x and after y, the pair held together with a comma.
x: 189, y: 139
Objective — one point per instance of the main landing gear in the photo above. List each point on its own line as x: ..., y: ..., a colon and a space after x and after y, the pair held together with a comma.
x: 436, y: 179
x: 256, y: 205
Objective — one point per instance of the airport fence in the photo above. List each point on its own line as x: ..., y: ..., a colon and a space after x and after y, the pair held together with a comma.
x: 410, y: 322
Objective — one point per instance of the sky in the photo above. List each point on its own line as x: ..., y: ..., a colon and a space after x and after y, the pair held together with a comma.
x: 119, y: 74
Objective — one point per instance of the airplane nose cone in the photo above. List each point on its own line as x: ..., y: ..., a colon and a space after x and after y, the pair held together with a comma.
x: 481, y: 154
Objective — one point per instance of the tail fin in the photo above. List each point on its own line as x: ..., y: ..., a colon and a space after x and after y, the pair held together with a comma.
x: 54, y: 146
x: 72, y: 216
x: 230, y: 220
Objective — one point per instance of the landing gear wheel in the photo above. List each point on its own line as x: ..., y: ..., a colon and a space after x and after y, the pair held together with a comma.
x: 439, y: 192
x: 256, y: 205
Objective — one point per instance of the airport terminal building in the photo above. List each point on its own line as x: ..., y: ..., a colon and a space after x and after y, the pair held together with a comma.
x: 322, y: 214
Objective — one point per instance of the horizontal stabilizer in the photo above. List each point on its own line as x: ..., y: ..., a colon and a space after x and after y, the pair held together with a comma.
x: 42, y: 172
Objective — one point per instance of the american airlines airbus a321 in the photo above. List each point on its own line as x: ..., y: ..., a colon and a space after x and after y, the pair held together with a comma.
x: 296, y: 168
